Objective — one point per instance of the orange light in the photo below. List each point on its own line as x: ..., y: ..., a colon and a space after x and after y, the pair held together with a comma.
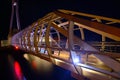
x: 16, y: 47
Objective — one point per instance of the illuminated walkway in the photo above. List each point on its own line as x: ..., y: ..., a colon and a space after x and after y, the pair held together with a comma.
x: 87, y: 45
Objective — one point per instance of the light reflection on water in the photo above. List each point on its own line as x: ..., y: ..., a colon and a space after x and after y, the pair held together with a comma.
x: 29, y: 67
x: 46, y: 70
x: 16, y: 66
x: 39, y: 65
x: 18, y: 71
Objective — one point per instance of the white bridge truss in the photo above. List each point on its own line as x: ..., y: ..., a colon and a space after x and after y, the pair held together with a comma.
x: 61, y: 38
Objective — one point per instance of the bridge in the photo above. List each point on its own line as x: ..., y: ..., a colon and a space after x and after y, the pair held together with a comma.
x: 87, y: 45
x: 60, y: 37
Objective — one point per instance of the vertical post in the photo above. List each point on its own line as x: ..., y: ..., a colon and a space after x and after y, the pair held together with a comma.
x: 82, y: 34
x: 73, y: 54
x: 17, y: 16
x: 103, y: 43
x: 14, y: 8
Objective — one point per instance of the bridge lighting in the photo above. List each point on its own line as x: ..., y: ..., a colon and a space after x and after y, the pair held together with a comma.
x: 16, y: 47
x: 14, y: 3
x: 75, y: 57
x: 76, y: 60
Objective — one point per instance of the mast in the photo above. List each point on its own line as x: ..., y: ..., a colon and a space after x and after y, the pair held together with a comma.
x: 16, y: 13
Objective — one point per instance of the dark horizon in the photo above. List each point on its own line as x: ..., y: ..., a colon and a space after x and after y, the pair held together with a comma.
x: 32, y: 10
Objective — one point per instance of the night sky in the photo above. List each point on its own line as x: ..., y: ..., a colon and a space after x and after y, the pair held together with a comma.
x: 31, y: 10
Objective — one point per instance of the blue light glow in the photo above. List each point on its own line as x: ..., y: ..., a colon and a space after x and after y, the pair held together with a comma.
x: 76, y: 60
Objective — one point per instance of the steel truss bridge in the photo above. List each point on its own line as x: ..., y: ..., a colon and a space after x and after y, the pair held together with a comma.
x: 87, y: 45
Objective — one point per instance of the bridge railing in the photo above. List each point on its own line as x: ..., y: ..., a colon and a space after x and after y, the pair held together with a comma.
x: 108, y: 46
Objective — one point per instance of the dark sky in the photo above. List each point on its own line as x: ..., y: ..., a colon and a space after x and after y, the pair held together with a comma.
x: 31, y: 10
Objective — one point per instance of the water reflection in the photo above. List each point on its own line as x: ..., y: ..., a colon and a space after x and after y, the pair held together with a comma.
x: 46, y: 70
x: 18, y: 71
x: 14, y: 65
x: 15, y: 68
x: 39, y: 65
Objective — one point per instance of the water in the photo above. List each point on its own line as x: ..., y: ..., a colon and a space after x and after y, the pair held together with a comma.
x: 17, y: 66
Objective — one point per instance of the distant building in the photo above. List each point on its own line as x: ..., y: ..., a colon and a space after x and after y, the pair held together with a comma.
x: 3, y: 43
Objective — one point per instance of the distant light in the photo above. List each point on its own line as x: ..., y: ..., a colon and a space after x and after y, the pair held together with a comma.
x: 16, y: 47
x: 14, y: 3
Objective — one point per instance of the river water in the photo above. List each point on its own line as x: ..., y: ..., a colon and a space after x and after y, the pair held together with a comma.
x: 17, y: 66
